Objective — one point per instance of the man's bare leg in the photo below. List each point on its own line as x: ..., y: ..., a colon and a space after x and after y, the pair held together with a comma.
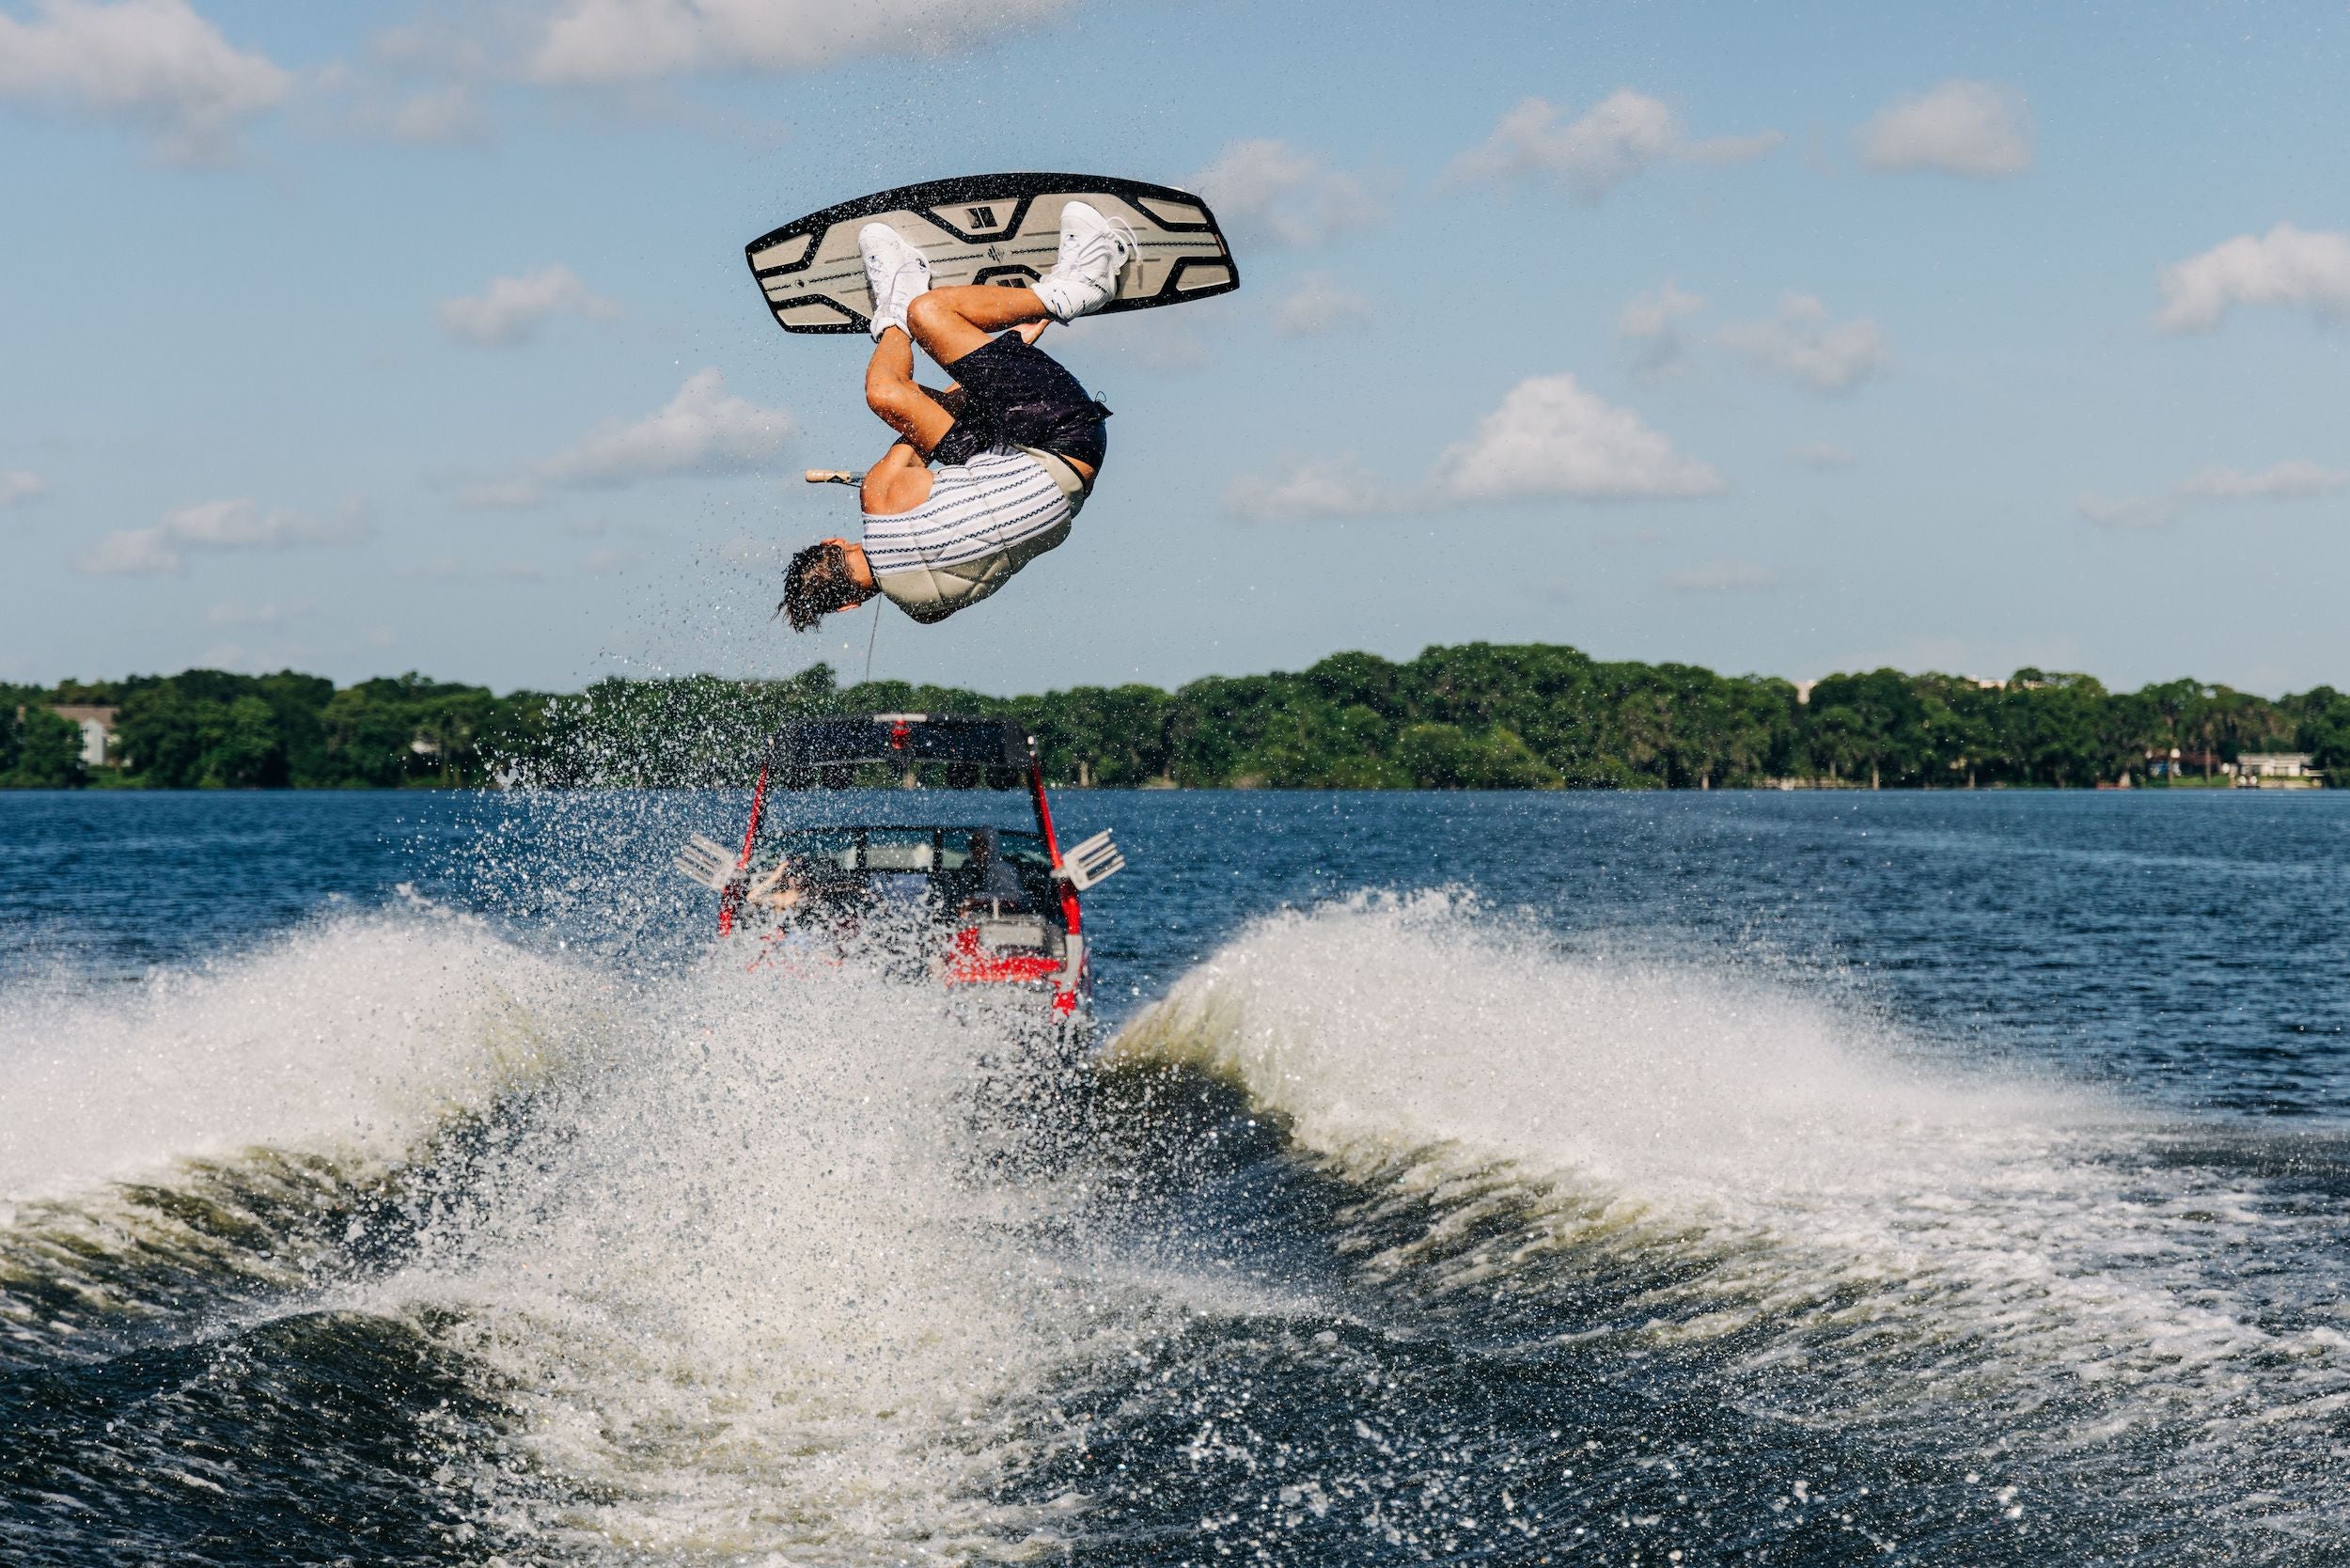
x: 950, y: 322
x: 902, y: 480
x: 892, y: 393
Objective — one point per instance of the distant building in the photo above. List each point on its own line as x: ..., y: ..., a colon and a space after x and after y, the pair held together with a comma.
x: 98, y: 730
x: 2276, y: 770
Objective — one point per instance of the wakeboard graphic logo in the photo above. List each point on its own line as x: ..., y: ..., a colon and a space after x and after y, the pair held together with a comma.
x: 982, y: 217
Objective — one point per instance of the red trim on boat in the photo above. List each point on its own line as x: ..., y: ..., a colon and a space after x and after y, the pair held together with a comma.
x: 732, y: 898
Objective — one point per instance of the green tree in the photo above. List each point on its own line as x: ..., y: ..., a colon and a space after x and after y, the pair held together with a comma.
x: 1474, y: 715
x: 2322, y: 728
x: 41, y: 750
x: 203, y: 728
x: 2052, y: 726
x: 1446, y: 757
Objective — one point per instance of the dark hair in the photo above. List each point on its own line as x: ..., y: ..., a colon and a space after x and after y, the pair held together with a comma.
x: 816, y: 584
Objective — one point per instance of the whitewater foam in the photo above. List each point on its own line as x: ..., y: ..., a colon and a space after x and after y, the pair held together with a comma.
x: 727, y: 1253
x: 355, y: 1036
x: 746, y: 1291
x: 726, y: 1247
x: 1868, y: 1236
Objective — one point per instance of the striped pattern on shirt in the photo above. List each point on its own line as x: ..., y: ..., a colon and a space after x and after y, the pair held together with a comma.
x: 986, y: 506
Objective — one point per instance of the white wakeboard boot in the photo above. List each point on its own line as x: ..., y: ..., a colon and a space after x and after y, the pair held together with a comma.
x: 896, y: 272
x: 1093, y: 250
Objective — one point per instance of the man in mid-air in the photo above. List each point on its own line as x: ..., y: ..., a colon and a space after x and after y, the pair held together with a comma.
x: 1016, y: 440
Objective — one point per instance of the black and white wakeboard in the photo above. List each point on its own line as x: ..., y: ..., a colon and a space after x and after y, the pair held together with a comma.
x: 989, y: 228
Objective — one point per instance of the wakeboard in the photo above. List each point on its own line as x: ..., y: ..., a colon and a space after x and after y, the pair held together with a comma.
x: 1001, y: 229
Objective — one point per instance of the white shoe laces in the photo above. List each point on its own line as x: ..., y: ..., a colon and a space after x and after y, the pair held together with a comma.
x: 1101, y: 243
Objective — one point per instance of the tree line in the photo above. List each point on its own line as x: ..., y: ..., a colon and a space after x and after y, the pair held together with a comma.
x: 207, y: 729
x: 1479, y: 715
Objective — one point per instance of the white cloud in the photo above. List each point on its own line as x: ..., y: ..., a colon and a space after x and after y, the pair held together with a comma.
x: 18, y: 485
x: 218, y: 525
x: 2286, y: 266
x: 617, y: 41
x: 703, y: 429
x: 1978, y: 129
x: 1551, y: 438
x: 1654, y: 313
x: 155, y: 63
x: 2285, y: 481
x: 1264, y: 188
x: 1822, y: 454
x: 426, y: 81
x: 134, y: 553
x: 2282, y: 481
x: 512, y: 308
x: 1650, y: 327
x: 451, y: 112
x: 445, y: 44
x: 1307, y: 489
x: 1800, y: 344
x: 1318, y: 305
x: 1613, y: 141
x: 1724, y: 576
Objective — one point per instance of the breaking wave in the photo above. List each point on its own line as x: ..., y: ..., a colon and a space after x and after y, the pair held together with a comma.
x: 355, y: 1037
x: 721, y: 1256
x: 1855, y: 1235
x: 1395, y: 1224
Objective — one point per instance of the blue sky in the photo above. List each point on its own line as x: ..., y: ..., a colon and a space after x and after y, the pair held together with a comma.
x: 1788, y: 339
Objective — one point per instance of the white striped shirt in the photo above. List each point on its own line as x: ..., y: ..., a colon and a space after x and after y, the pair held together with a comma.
x: 984, y: 520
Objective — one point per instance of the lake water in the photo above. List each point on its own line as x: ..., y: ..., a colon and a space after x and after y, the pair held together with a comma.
x: 1705, y: 1177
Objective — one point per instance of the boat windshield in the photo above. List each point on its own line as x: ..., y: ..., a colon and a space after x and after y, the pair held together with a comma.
x: 952, y: 867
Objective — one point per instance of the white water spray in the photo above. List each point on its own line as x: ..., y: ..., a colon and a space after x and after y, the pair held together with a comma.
x: 1788, y: 1171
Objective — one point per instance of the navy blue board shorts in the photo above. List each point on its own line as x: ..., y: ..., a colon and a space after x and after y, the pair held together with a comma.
x: 1014, y: 394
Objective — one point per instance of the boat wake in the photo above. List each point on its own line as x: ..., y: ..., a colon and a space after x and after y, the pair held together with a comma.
x: 1393, y: 1230
x: 722, y: 1262
x: 1668, y: 1165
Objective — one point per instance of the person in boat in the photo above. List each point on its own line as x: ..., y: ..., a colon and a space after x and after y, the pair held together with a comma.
x: 987, y: 475
x: 781, y: 889
x: 992, y: 883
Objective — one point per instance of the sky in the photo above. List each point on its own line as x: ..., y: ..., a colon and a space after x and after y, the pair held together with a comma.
x: 1788, y: 339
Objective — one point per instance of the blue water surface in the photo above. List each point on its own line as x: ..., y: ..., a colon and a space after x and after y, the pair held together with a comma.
x: 2192, y: 946
x: 1756, y: 1178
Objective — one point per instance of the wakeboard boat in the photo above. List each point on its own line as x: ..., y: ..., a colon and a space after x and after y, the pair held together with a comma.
x: 985, y: 907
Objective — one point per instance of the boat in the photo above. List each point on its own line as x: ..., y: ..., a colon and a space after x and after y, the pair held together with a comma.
x: 983, y: 908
